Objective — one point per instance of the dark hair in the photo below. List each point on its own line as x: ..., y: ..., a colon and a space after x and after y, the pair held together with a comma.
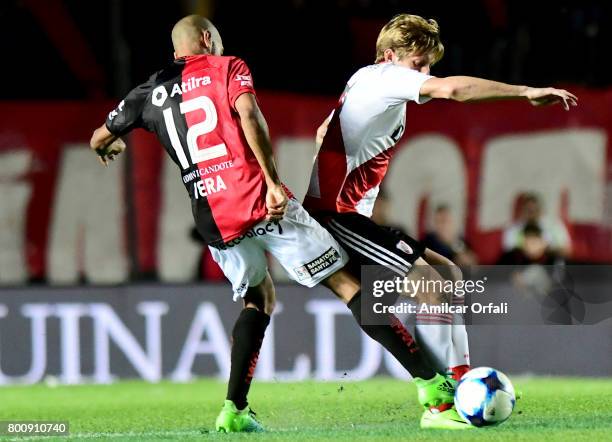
x: 531, y: 197
x: 442, y: 208
x: 532, y: 229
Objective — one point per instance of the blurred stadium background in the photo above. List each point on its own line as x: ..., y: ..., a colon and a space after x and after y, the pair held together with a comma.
x: 101, y: 275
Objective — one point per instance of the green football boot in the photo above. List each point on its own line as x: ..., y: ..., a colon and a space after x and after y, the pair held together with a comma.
x: 436, y: 391
x: 444, y: 420
x: 439, y: 392
x: 232, y: 420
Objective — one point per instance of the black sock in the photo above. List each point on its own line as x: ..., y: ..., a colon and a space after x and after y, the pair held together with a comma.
x: 247, y: 337
x: 394, y: 337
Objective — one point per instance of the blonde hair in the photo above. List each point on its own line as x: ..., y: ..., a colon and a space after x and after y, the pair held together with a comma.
x: 410, y: 34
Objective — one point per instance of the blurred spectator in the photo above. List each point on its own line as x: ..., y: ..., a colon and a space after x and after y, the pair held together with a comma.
x: 380, y: 213
x: 533, y: 249
x: 446, y: 240
x: 553, y: 232
x: 541, y: 273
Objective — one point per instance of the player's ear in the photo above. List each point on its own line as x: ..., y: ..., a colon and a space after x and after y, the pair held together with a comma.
x: 207, y: 40
x: 388, y: 54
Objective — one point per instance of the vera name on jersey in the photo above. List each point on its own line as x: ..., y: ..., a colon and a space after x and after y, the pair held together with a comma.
x: 207, y: 186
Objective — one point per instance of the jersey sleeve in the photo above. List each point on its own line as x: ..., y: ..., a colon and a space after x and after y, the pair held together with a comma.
x: 128, y: 113
x: 399, y: 83
x: 240, y: 80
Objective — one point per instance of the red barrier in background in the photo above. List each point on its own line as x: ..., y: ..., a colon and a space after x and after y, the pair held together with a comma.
x: 45, y: 129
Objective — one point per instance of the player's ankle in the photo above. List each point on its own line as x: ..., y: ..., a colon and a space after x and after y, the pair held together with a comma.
x: 458, y: 371
x: 442, y: 407
x: 238, y: 404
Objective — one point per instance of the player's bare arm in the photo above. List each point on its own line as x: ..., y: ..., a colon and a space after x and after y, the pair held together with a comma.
x: 106, y: 145
x: 256, y: 132
x: 321, y: 132
x: 463, y: 88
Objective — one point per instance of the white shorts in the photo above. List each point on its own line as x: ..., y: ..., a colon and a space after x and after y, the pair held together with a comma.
x: 305, y: 249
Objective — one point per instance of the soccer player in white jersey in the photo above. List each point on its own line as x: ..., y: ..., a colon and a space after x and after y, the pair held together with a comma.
x: 357, y: 142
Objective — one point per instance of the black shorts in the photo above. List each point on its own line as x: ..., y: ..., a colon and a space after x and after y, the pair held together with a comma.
x: 367, y: 243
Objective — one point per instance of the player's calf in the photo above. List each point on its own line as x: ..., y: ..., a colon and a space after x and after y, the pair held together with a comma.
x: 247, y: 338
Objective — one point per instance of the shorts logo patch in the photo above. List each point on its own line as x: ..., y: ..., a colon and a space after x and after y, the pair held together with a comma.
x: 301, y: 273
x: 404, y: 247
x: 317, y: 265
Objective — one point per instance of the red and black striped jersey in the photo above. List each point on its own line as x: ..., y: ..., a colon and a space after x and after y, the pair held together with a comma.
x: 189, y: 105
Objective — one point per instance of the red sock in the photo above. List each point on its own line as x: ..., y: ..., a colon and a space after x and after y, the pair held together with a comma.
x: 442, y: 407
x: 459, y: 371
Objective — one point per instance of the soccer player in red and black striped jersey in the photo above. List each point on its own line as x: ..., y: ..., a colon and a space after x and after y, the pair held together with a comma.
x: 203, y: 109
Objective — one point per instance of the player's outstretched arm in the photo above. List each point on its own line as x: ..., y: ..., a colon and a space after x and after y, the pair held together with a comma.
x: 256, y: 133
x: 106, y: 145
x: 321, y: 132
x: 462, y: 88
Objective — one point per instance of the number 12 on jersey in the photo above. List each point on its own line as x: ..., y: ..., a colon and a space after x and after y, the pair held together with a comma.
x: 209, y: 124
x: 205, y: 186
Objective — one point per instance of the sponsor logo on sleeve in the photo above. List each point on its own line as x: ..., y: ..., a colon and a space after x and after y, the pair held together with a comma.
x: 317, y: 265
x: 245, y: 80
x: 116, y: 111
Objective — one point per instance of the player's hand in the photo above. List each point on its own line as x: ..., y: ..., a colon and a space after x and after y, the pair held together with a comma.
x: 548, y: 95
x: 276, y: 202
x: 110, y: 152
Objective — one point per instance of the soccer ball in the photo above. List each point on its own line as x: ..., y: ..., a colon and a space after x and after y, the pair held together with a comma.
x: 484, y: 396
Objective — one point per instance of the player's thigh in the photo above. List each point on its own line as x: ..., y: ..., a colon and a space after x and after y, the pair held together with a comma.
x: 369, y: 244
x: 244, y: 264
x: 306, y: 250
x: 431, y: 287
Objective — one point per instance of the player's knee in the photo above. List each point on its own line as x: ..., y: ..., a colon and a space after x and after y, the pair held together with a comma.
x: 448, y: 269
x: 264, y: 301
x: 343, y: 284
x: 455, y: 270
x: 269, y: 306
x: 269, y: 299
x: 262, y: 296
x: 431, y: 297
x: 254, y: 298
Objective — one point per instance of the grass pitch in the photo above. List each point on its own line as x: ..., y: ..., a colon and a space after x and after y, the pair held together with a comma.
x: 552, y: 409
